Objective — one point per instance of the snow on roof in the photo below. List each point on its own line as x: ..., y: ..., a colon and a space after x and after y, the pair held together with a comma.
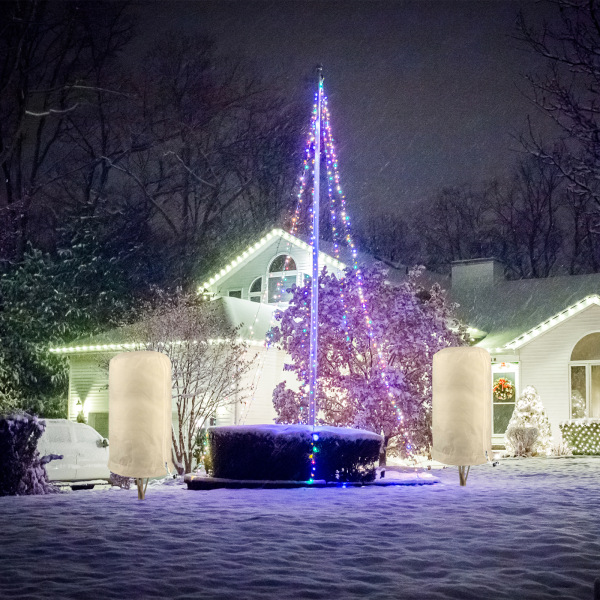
x: 291, y: 430
x: 511, y: 311
x: 253, y: 319
x: 243, y: 258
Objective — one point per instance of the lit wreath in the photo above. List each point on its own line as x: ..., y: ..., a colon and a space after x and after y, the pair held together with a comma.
x: 503, y: 390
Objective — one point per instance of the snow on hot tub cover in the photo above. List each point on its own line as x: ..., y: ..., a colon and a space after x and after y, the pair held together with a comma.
x: 299, y: 430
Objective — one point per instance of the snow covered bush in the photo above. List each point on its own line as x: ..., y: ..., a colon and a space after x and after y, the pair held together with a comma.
x: 206, y: 376
x: 562, y: 448
x: 22, y: 469
x: 529, y: 412
x: 408, y: 325
x: 583, y: 437
x: 283, y: 452
x: 120, y: 481
x: 522, y: 440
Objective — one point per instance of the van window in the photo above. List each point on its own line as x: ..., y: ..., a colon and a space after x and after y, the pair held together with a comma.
x: 87, y: 434
x: 58, y: 434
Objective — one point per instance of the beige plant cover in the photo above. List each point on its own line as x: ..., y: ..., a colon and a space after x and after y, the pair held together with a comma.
x: 139, y: 414
x: 462, y: 404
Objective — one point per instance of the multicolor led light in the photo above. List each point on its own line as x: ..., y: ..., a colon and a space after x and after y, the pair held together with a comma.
x: 321, y: 131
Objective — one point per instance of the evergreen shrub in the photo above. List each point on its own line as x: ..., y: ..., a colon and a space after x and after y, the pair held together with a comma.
x: 22, y: 470
x: 582, y: 436
x: 282, y: 452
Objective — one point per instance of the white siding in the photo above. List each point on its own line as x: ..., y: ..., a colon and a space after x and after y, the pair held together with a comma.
x: 88, y: 384
x: 88, y: 381
x: 256, y: 405
x: 544, y: 362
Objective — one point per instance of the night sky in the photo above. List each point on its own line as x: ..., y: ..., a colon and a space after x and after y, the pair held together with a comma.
x: 423, y: 94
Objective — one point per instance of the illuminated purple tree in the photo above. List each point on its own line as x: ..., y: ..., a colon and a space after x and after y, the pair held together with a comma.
x: 358, y: 387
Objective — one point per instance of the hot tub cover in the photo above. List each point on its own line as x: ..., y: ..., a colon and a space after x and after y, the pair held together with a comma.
x: 462, y: 400
x: 139, y: 418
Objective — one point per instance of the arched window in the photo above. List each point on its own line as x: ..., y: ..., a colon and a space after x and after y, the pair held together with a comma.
x: 587, y: 348
x: 584, y: 374
x: 255, y: 290
x: 282, y: 275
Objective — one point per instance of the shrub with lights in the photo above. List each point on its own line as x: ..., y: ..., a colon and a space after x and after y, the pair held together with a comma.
x: 529, y: 413
x: 582, y: 436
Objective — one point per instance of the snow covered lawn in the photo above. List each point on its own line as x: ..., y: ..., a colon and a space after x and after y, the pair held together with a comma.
x: 526, y: 529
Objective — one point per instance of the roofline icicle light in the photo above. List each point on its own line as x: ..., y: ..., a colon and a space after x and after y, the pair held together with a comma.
x: 551, y: 322
x: 258, y: 246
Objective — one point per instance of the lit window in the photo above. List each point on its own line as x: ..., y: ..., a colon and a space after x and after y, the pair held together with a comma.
x: 282, y: 276
x: 255, y: 290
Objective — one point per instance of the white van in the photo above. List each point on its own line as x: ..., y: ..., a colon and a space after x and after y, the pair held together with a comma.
x: 84, y: 450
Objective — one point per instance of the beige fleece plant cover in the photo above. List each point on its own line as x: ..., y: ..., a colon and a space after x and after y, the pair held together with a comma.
x: 461, y: 411
x: 139, y: 414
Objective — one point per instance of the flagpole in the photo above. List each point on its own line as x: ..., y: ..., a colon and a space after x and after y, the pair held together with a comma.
x: 314, y: 296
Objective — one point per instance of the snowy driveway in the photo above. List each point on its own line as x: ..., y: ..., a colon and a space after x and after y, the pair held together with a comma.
x: 525, y: 530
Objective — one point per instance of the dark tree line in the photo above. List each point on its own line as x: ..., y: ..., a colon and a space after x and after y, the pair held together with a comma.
x: 545, y: 220
x: 120, y: 174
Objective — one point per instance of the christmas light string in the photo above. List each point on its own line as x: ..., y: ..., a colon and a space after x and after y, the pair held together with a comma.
x: 335, y: 189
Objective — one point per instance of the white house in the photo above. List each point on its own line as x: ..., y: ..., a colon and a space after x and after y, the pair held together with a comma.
x: 247, y: 291
x: 540, y: 332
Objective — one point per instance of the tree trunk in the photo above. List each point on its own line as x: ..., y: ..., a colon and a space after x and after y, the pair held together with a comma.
x: 383, y: 453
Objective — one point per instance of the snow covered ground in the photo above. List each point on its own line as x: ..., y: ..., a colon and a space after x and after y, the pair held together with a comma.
x: 526, y: 529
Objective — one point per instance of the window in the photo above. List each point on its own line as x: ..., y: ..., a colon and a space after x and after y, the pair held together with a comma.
x: 282, y: 276
x: 256, y: 290
x: 235, y: 294
x: 584, y: 376
x: 504, y: 379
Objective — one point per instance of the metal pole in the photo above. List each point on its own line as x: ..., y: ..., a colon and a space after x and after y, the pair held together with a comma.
x: 314, y: 296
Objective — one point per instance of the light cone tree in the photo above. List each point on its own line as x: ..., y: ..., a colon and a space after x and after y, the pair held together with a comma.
x: 529, y: 412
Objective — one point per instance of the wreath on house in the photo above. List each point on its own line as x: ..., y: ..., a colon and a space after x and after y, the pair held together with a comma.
x: 504, y: 390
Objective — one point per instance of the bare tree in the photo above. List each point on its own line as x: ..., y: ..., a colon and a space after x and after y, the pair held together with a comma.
x: 456, y: 226
x: 526, y: 234
x: 569, y: 92
x: 50, y: 57
x: 208, y: 360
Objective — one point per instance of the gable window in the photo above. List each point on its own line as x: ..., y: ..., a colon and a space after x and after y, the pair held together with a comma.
x: 584, y: 376
x: 235, y: 294
x: 282, y: 275
x: 255, y: 290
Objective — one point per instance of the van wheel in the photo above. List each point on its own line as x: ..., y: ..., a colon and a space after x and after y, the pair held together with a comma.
x: 84, y: 486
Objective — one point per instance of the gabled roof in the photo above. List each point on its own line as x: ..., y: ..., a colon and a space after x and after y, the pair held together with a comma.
x: 237, y: 263
x: 513, y: 312
x: 254, y: 320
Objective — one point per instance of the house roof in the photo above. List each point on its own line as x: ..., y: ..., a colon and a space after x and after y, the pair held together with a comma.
x: 237, y: 263
x: 341, y: 259
x: 511, y: 313
x: 254, y: 320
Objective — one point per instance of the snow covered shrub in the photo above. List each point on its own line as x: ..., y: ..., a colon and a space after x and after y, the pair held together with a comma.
x: 282, y: 452
x: 120, y: 481
x: 529, y: 412
x: 521, y: 440
x: 582, y: 436
x: 562, y: 449
x: 22, y: 469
